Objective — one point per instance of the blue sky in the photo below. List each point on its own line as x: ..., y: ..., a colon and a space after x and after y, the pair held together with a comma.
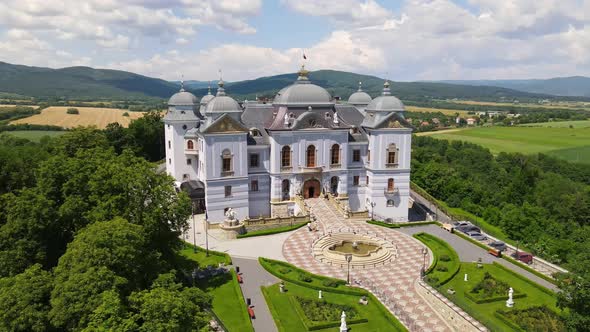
x: 404, y: 40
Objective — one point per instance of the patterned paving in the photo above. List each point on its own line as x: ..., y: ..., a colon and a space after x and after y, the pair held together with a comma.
x: 394, y: 284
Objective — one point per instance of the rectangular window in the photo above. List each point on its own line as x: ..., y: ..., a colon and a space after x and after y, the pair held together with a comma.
x: 355, y: 180
x: 254, y: 160
x: 169, y: 145
x: 169, y: 161
x: 391, y: 157
x: 227, y: 191
x: 368, y: 155
x: 254, y: 185
x: 367, y: 180
x: 189, y: 161
x: 226, y: 165
x: 356, y: 156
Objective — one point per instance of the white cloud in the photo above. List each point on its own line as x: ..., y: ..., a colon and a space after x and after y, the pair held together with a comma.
x: 344, y: 12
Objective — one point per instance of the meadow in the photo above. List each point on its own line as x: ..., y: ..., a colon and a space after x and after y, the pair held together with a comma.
x: 572, y: 144
x: 89, y: 116
x: 559, y: 124
x: 559, y: 105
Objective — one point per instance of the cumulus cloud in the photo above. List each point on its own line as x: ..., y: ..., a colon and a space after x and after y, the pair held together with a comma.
x: 344, y: 12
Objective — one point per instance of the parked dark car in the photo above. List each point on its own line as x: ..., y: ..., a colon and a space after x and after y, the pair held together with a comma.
x: 499, y: 245
x: 477, y: 236
x: 461, y: 224
x: 468, y: 228
x: 524, y: 257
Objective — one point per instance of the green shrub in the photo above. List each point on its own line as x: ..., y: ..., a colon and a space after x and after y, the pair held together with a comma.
x: 126, y: 114
x: 304, y: 277
x: 332, y: 283
x: 442, y: 268
x: 433, y: 280
x: 445, y: 258
x: 490, y: 287
x: 322, y: 311
x: 72, y: 110
x: 284, y: 270
x: 538, y: 318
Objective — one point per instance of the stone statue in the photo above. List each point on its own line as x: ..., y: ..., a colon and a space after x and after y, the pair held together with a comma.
x: 343, y: 327
x: 230, y: 214
x: 320, y: 294
x: 510, y: 302
x: 286, y: 119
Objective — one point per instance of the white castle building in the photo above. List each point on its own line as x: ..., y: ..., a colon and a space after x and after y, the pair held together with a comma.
x: 256, y: 158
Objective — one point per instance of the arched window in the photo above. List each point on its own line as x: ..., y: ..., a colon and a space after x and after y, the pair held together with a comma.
x: 286, y: 156
x: 226, y: 164
x: 190, y: 145
x: 311, y: 156
x: 335, y: 154
x: 255, y: 132
x: 390, y: 185
x: 392, y: 152
x: 285, y: 190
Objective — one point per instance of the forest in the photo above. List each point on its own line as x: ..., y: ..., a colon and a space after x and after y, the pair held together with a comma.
x: 541, y: 202
x: 89, y: 235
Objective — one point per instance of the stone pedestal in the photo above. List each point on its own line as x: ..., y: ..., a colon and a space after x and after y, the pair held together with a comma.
x: 231, y: 229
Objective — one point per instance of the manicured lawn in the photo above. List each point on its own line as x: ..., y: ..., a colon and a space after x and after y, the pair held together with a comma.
x: 270, y: 231
x: 485, y: 312
x: 560, y: 124
x: 228, y: 302
x: 35, y: 135
x: 445, y: 261
x: 289, y: 320
x: 528, y: 140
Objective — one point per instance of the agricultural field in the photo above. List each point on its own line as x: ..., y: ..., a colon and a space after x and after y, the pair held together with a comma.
x: 572, y: 144
x: 89, y: 116
x: 35, y: 135
x: 560, y: 105
x: 9, y: 105
x: 559, y: 124
x: 461, y: 113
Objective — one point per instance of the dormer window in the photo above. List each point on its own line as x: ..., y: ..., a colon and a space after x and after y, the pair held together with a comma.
x: 255, y: 132
x: 328, y: 115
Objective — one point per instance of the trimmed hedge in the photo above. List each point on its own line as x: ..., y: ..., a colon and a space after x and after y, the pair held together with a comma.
x: 271, y: 308
x: 270, y: 231
x: 492, y: 299
x: 509, y: 259
x: 311, y: 326
x: 436, y: 258
x: 523, y: 278
x: 508, y: 322
x: 267, y: 265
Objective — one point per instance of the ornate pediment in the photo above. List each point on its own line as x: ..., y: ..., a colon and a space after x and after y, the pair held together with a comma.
x: 225, y: 124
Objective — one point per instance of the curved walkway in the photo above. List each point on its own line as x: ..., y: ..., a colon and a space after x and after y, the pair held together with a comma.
x: 393, y: 284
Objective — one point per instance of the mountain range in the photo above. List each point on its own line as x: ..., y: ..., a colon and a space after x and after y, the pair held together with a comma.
x: 558, y: 86
x: 85, y: 83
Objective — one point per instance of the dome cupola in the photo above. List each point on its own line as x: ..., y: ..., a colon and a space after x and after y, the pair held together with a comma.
x: 359, y: 98
x: 183, y: 98
x: 386, y: 102
x: 222, y: 103
x: 303, y: 93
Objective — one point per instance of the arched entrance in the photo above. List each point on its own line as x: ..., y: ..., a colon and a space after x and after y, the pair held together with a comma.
x: 311, y: 188
x: 334, y: 185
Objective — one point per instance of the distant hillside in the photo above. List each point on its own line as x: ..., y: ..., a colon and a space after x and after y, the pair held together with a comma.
x: 559, y: 86
x: 84, y: 83
x: 344, y: 83
x: 80, y: 83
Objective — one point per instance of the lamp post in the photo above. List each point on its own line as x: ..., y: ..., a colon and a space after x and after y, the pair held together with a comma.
x: 206, y: 234
x: 424, y: 253
x: 348, y: 260
x: 194, y: 227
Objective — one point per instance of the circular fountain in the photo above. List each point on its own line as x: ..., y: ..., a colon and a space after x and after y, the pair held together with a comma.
x: 367, y: 251
x: 231, y: 226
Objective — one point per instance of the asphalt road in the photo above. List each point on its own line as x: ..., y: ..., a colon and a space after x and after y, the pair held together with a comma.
x: 469, y: 252
x: 255, y: 276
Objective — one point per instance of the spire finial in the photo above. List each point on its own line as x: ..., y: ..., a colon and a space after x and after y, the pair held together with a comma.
x: 209, y: 88
x: 220, y: 84
x: 360, y: 86
x: 302, y: 73
x: 182, y: 83
x: 386, y: 91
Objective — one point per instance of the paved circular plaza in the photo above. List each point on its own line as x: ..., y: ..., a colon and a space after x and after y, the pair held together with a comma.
x: 393, y: 280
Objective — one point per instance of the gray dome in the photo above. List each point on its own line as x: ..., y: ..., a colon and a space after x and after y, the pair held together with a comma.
x: 222, y: 103
x: 386, y: 102
x: 183, y: 98
x: 359, y: 97
x: 303, y: 92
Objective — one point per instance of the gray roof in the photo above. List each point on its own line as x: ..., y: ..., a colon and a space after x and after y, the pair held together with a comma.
x: 349, y: 114
x: 303, y: 93
x: 180, y: 115
x: 183, y: 98
x: 386, y: 102
x: 257, y: 116
x: 360, y: 97
x: 222, y: 103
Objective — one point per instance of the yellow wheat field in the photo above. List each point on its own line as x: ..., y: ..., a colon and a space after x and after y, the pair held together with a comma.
x: 89, y: 116
x: 462, y: 113
x: 9, y: 105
